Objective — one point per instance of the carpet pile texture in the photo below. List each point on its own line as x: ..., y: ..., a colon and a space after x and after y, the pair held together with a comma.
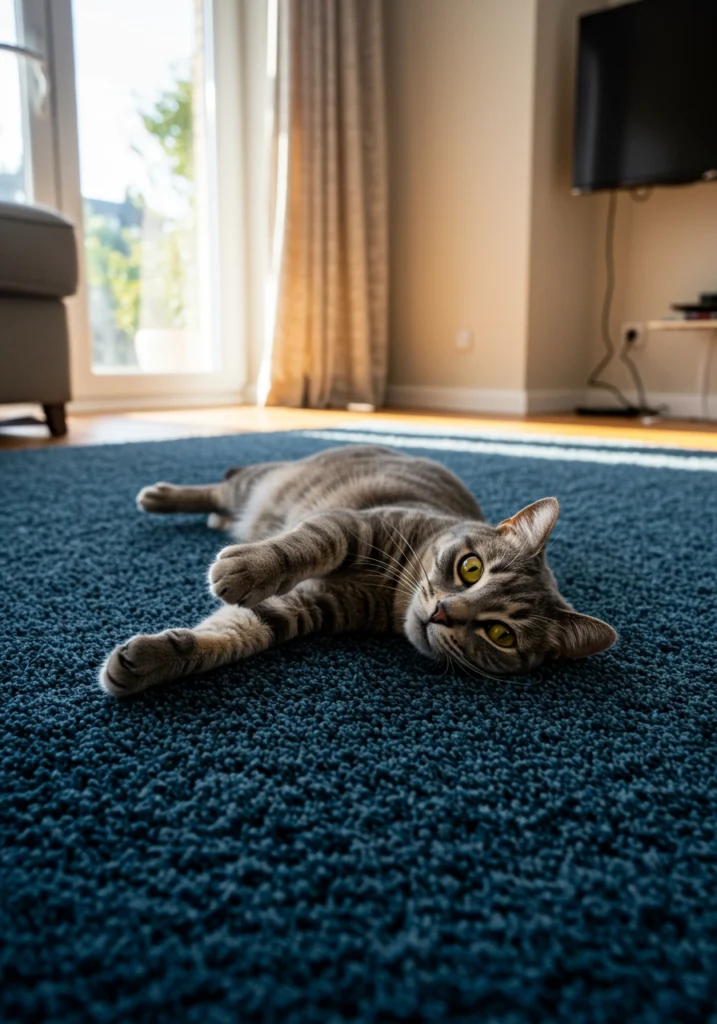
x: 334, y: 831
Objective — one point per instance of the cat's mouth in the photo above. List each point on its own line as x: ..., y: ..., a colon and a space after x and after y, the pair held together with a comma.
x: 417, y: 632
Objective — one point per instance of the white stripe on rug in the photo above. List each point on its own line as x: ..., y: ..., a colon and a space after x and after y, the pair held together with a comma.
x: 496, y: 434
x: 649, y: 460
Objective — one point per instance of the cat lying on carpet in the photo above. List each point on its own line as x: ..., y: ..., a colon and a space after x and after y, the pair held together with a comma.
x: 364, y: 537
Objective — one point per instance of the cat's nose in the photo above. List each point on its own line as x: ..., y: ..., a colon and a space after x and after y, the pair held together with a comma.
x: 441, y: 617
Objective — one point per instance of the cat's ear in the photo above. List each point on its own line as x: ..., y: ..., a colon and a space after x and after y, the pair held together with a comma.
x: 532, y: 526
x: 578, y: 636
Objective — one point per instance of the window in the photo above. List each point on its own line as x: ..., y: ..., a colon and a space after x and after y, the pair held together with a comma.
x: 140, y: 69
x: 15, y: 183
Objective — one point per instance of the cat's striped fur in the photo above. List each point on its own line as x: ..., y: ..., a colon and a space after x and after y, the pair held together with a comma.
x: 362, y: 537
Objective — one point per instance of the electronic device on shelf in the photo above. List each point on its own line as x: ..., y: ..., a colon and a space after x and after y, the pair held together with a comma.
x: 705, y: 309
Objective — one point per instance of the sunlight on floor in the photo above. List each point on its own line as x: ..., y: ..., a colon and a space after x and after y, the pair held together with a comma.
x: 164, y: 424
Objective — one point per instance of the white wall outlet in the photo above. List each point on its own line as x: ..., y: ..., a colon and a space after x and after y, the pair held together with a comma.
x: 464, y: 339
x: 632, y: 334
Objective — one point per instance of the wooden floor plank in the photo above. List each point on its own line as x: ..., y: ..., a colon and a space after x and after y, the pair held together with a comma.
x: 164, y: 424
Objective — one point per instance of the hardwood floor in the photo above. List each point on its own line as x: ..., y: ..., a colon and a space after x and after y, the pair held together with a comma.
x: 119, y: 427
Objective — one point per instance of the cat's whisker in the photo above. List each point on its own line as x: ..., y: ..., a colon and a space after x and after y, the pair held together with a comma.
x: 467, y: 665
x: 404, y: 567
x: 386, y: 571
x: 387, y: 568
x: 405, y: 539
x: 518, y: 556
x: 401, y: 570
x: 404, y: 570
x: 419, y: 563
x: 473, y: 670
x: 446, y: 667
x: 541, y: 618
x: 387, y: 586
x: 398, y: 581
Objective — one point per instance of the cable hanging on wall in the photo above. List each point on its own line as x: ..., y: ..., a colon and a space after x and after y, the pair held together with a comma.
x: 595, y: 380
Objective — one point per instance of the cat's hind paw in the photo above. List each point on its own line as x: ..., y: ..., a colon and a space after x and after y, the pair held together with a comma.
x: 216, y: 521
x: 160, y: 497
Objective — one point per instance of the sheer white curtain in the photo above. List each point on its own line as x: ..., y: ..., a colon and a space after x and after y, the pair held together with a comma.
x: 327, y: 304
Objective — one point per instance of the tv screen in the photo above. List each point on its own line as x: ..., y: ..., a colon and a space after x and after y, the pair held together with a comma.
x: 646, y: 108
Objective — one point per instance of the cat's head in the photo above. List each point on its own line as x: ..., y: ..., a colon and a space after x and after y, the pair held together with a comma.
x: 489, y: 601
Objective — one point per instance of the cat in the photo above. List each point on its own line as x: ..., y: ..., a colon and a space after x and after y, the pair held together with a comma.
x: 364, y: 537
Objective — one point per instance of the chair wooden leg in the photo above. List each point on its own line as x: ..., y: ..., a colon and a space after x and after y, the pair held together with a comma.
x: 56, y: 422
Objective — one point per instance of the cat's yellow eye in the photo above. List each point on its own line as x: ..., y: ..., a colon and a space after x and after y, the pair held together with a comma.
x: 501, y: 635
x: 470, y: 569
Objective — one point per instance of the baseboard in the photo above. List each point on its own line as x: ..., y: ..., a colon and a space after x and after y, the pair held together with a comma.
x: 475, y: 400
x: 685, y: 405
x: 146, y: 403
x: 517, y: 402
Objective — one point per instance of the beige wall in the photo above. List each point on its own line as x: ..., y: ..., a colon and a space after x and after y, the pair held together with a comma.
x: 484, y: 231
x: 460, y: 98
x: 666, y: 251
x: 563, y: 228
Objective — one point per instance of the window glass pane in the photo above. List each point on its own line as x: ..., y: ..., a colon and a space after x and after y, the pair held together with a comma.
x: 14, y: 186
x: 140, y: 96
x: 8, y: 22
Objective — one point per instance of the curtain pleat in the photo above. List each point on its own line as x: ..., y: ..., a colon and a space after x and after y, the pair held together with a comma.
x: 327, y: 343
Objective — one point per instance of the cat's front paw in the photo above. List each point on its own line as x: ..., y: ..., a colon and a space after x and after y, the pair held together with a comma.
x: 146, y: 660
x: 244, y: 574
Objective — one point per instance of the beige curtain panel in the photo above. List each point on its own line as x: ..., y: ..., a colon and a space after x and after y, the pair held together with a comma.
x: 328, y: 301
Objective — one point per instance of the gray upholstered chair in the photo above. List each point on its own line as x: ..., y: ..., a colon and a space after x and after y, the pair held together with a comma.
x: 38, y: 269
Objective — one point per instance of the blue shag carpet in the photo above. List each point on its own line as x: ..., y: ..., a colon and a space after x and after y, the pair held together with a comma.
x: 332, y: 831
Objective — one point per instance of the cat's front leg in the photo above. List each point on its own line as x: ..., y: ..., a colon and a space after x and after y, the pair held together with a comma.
x: 232, y: 633
x: 247, y: 574
x: 146, y: 659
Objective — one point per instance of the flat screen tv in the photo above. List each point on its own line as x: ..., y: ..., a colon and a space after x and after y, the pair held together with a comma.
x: 646, y: 105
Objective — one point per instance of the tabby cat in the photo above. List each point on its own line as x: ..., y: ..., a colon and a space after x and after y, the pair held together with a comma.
x: 364, y: 537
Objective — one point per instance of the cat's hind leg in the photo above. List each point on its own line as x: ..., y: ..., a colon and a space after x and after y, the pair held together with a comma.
x: 163, y: 497
x: 223, y: 502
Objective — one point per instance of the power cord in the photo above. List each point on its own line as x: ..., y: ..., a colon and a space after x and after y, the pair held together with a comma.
x: 594, y: 380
